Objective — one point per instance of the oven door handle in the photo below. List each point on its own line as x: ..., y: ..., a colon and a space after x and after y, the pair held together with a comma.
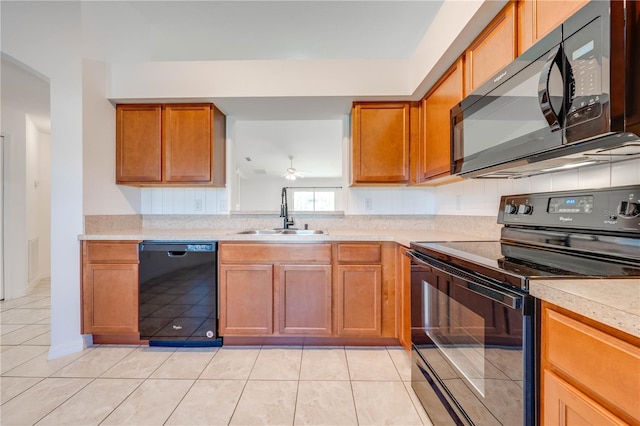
x: 471, y: 282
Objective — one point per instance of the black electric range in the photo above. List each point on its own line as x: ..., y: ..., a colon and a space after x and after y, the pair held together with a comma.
x: 474, y: 324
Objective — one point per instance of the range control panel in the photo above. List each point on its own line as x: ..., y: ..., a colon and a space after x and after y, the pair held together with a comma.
x: 608, y: 209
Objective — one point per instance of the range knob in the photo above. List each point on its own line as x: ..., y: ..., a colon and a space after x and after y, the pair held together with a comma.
x: 525, y: 209
x: 628, y: 209
x: 510, y: 209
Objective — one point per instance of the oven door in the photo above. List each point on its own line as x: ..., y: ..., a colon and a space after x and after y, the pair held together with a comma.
x: 473, y: 350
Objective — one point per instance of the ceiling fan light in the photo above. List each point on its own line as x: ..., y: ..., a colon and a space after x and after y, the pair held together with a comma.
x: 290, y: 177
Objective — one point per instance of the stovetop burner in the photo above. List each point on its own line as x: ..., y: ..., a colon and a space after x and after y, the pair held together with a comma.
x: 517, y: 264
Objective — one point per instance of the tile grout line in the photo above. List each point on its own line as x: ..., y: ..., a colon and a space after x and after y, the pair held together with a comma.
x: 235, y: 408
x: 295, y: 403
x: 353, y: 397
x: 190, y: 387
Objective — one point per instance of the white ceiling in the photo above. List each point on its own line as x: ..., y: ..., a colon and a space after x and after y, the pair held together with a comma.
x: 137, y: 31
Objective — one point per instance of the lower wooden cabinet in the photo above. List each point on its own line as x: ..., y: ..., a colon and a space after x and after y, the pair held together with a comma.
x: 275, y: 289
x: 246, y: 296
x: 566, y: 405
x: 326, y: 293
x: 304, y: 299
x: 590, y: 373
x: 403, y: 295
x: 358, y: 306
x: 110, y: 289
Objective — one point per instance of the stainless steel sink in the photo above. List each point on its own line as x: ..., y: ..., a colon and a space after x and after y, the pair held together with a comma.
x: 302, y: 232
x: 261, y: 231
x: 283, y: 232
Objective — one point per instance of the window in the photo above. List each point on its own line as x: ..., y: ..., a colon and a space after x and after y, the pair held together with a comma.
x: 314, y: 199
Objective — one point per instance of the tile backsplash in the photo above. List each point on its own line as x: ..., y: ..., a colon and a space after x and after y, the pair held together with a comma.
x: 477, y: 197
x: 184, y: 201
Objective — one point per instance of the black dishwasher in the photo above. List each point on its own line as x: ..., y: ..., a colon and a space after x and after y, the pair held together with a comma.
x: 178, y: 293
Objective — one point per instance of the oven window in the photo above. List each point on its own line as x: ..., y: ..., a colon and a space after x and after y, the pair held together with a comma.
x: 461, y: 341
x: 474, y: 345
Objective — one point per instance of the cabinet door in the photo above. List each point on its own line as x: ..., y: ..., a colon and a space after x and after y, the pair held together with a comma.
x: 188, y: 143
x: 138, y: 144
x: 381, y: 136
x: 536, y: 18
x: 435, y: 146
x: 246, y: 299
x: 565, y: 405
x: 110, y: 298
x: 600, y: 364
x: 494, y: 48
x: 358, y: 301
x: 304, y: 295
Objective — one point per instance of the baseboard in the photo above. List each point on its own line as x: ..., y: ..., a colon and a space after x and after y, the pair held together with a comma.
x: 66, y: 348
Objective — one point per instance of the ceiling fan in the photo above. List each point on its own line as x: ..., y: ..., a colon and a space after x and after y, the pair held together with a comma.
x: 292, y: 173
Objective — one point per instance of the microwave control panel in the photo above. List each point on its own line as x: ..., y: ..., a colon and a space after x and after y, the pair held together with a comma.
x: 585, y: 59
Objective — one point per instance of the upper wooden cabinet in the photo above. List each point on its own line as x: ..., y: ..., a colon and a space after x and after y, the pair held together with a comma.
x: 172, y: 144
x: 492, y: 50
x: 536, y: 18
x: 138, y: 143
x: 435, y: 139
x: 380, y: 134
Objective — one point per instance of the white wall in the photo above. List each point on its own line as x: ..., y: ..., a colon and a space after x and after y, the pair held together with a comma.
x: 44, y: 204
x: 46, y: 36
x: 100, y: 193
x: 37, y: 209
x: 14, y: 128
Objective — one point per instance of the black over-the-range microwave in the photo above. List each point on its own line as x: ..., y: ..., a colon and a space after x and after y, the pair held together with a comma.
x: 572, y: 99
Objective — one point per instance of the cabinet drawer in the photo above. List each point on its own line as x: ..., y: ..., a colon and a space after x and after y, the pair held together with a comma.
x: 599, y: 364
x: 110, y: 251
x: 269, y: 253
x: 359, y: 253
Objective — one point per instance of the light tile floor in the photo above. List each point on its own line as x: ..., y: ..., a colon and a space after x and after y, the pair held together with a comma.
x: 139, y: 385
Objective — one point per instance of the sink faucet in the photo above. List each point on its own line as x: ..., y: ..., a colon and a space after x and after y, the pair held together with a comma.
x: 284, y: 210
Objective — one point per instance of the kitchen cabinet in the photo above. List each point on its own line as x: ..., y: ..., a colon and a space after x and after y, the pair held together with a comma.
x: 275, y: 289
x: 304, y: 295
x: 589, y: 371
x: 492, y: 50
x: 246, y: 295
x: 308, y: 293
x: 536, y: 18
x: 381, y: 134
x: 170, y: 144
x: 403, y: 294
x: 110, y: 291
x: 435, y: 141
x: 359, y: 289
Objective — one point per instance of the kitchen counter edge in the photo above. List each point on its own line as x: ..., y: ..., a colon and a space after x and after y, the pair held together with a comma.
x: 403, y: 237
x: 613, y: 302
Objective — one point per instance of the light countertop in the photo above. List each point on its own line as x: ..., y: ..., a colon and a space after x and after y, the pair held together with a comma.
x: 403, y: 237
x: 614, y: 302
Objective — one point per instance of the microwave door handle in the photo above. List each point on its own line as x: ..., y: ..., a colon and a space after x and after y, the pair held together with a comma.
x: 471, y: 282
x: 554, y: 119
